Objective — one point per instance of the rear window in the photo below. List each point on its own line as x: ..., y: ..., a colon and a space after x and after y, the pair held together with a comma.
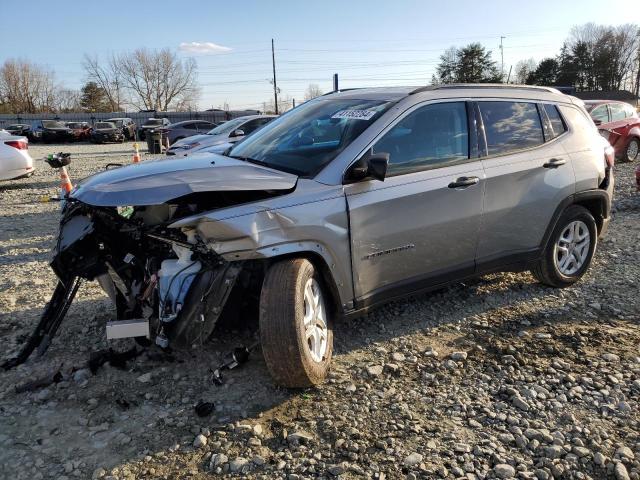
x: 511, y: 126
x: 557, y: 124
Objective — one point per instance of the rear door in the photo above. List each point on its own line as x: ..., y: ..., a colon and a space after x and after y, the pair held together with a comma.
x: 420, y: 226
x: 528, y: 176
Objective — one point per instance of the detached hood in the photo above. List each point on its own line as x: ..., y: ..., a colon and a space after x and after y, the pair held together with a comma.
x: 158, y: 181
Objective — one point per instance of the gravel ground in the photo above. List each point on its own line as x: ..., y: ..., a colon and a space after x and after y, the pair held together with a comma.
x: 495, y: 378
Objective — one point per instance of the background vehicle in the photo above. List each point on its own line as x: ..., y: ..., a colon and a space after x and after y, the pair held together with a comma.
x: 19, y: 129
x: 231, y: 131
x: 151, y: 124
x: 106, y: 132
x: 51, y: 131
x: 80, y: 130
x: 620, y: 125
x: 179, y: 130
x: 127, y: 125
x: 15, y: 161
x: 348, y: 201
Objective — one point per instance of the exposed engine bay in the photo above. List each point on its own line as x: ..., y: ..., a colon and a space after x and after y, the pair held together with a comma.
x: 167, y: 286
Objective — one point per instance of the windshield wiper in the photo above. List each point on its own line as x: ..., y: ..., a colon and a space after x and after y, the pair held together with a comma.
x: 250, y: 160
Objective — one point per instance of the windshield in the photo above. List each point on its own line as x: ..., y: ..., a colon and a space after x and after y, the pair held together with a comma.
x: 117, y: 123
x: 227, y: 126
x: 74, y: 125
x: 153, y: 121
x: 52, y: 124
x: 105, y: 125
x: 307, y: 138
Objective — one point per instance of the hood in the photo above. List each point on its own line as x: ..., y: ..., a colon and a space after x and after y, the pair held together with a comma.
x: 157, y: 181
x: 105, y: 130
x: 193, y: 139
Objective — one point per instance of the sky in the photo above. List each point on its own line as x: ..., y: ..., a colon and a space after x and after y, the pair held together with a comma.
x: 367, y: 42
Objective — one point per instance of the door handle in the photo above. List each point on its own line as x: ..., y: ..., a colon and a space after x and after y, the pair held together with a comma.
x: 554, y: 163
x: 464, y: 182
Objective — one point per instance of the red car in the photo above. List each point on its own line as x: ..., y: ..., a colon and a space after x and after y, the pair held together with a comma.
x: 80, y: 130
x: 619, y: 123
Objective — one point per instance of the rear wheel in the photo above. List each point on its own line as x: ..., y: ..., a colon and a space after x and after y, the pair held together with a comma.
x: 633, y: 148
x: 295, y: 324
x: 570, y: 249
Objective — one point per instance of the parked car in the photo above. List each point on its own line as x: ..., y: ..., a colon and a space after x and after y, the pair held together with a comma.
x: 80, y: 130
x: 348, y: 201
x: 104, y: 132
x: 19, y: 129
x: 230, y: 131
x: 51, y: 131
x: 150, y: 124
x: 620, y: 125
x: 179, y: 130
x: 15, y: 161
x: 127, y: 125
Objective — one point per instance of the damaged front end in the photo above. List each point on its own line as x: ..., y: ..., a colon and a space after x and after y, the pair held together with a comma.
x: 167, y: 284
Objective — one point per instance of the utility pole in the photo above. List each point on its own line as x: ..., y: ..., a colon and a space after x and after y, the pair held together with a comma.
x: 275, y: 85
x: 502, y: 57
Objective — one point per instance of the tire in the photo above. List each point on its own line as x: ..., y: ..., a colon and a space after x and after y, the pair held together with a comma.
x: 631, y: 153
x: 561, y: 268
x: 288, y: 352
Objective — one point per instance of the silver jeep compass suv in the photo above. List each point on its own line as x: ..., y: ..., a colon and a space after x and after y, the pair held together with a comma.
x: 345, y: 202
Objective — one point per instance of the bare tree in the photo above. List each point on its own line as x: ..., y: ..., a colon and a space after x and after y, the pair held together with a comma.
x: 67, y: 100
x: 524, y: 68
x: 107, y: 77
x: 312, y: 91
x: 26, y: 87
x: 157, y: 79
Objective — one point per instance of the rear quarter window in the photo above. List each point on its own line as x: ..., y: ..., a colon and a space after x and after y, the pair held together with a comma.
x: 511, y: 126
x: 557, y: 123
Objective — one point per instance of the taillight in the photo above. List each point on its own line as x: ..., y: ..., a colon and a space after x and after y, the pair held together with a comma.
x: 19, y: 144
x: 609, y: 156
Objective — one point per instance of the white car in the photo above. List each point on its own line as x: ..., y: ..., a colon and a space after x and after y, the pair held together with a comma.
x: 229, y: 132
x: 15, y: 161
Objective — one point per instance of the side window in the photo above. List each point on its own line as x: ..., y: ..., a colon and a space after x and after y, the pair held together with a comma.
x: 600, y: 113
x: 511, y: 126
x: 429, y: 137
x: 250, y: 126
x: 557, y: 124
x: 190, y: 126
x: 630, y: 111
x: 617, y: 112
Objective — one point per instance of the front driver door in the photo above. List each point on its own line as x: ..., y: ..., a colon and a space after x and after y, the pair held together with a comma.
x: 420, y: 226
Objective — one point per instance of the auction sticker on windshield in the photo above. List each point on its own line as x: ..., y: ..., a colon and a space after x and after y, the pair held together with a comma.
x: 355, y: 114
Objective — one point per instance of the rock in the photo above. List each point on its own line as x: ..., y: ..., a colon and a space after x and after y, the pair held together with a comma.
x: 412, y: 459
x: 392, y: 367
x: 43, y: 395
x: 238, y: 464
x: 458, y: 356
x: 518, y: 402
x: 257, y: 429
x: 398, y: 357
x: 336, y: 470
x: 625, y: 453
x: 144, y: 378
x: 258, y: 460
x: 300, y: 436
x: 82, y: 375
x: 217, y: 460
x: 620, y: 472
x: 553, y: 452
x: 610, y: 357
x: 599, y: 459
x: 503, y: 470
x: 200, y: 441
x: 461, y: 448
x: 581, y: 451
x: 374, y: 370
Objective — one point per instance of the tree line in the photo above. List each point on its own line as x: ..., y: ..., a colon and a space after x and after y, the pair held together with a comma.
x: 141, y: 79
x: 593, y: 57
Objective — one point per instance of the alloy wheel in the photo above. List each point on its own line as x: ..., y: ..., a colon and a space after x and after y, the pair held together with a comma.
x: 315, y: 321
x: 572, y: 248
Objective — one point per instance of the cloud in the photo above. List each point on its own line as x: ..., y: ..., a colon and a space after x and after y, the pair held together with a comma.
x: 204, y: 48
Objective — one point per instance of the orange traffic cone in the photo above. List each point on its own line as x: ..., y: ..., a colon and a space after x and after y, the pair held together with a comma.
x: 136, y: 154
x: 65, y: 182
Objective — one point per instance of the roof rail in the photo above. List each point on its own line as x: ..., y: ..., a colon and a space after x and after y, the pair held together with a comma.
x: 341, y: 90
x: 506, y: 86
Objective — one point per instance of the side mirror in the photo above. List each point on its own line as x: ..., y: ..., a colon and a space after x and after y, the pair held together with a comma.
x: 597, y: 121
x: 369, y: 166
x: 237, y: 133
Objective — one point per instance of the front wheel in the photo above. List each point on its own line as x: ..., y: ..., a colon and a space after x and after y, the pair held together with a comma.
x: 570, y: 249
x: 633, y: 148
x: 295, y: 324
